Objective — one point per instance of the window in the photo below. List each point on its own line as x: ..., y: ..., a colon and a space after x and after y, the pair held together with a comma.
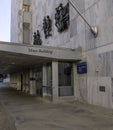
x: 26, y: 33
x: 26, y: 8
x: 26, y: 26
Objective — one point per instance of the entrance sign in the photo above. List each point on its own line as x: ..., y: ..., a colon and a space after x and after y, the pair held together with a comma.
x: 40, y: 50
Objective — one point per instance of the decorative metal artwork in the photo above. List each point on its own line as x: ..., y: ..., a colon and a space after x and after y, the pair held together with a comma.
x: 47, y: 26
x: 62, y: 17
x: 37, y: 39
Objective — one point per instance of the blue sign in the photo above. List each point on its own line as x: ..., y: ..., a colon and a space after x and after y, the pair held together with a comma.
x: 82, y: 68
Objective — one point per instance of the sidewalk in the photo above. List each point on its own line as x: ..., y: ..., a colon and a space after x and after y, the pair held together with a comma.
x: 6, y: 121
x: 34, y: 113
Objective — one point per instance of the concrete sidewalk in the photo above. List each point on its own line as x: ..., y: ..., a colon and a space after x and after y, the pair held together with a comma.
x: 6, y: 121
x: 33, y: 113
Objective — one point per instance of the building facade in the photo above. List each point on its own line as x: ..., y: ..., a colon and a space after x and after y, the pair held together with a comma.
x: 89, y: 79
x: 21, y: 21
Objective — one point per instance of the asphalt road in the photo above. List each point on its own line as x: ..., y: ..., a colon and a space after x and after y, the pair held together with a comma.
x: 33, y: 113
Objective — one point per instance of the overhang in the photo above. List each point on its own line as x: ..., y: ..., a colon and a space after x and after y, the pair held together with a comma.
x: 16, y: 57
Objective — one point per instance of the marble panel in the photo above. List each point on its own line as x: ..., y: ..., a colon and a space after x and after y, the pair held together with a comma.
x: 73, y: 27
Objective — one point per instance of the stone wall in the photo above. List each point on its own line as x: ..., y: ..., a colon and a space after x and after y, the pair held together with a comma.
x: 14, y: 21
x: 17, y: 21
x: 97, y: 52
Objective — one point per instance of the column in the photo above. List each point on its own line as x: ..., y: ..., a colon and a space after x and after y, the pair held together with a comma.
x: 75, y: 80
x: 55, y: 80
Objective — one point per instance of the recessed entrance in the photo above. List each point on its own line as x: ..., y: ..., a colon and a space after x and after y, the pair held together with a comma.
x: 39, y: 70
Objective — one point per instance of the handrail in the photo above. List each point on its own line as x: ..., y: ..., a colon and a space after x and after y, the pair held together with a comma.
x: 94, y: 29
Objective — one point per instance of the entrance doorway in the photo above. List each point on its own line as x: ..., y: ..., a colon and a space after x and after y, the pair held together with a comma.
x: 47, y: 80
x: 65, y: 77
x: 38, y: 75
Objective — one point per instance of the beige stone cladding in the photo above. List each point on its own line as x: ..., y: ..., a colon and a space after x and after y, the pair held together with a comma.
x: 97, y: 52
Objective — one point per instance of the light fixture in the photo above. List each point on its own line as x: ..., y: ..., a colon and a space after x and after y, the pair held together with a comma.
x: 94, y: 29
x: 13, y: 63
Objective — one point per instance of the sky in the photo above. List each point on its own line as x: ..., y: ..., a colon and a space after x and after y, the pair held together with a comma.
x: 5, y: 17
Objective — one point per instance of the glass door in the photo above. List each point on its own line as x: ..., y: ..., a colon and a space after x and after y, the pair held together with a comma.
x: 49, y: 79
x: 65, y: 79
x: 38, y: 76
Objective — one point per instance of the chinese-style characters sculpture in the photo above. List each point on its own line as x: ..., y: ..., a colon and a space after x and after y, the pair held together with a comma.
x: 62, y: 17
x: 37, y: 39
x: 47, y: 26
